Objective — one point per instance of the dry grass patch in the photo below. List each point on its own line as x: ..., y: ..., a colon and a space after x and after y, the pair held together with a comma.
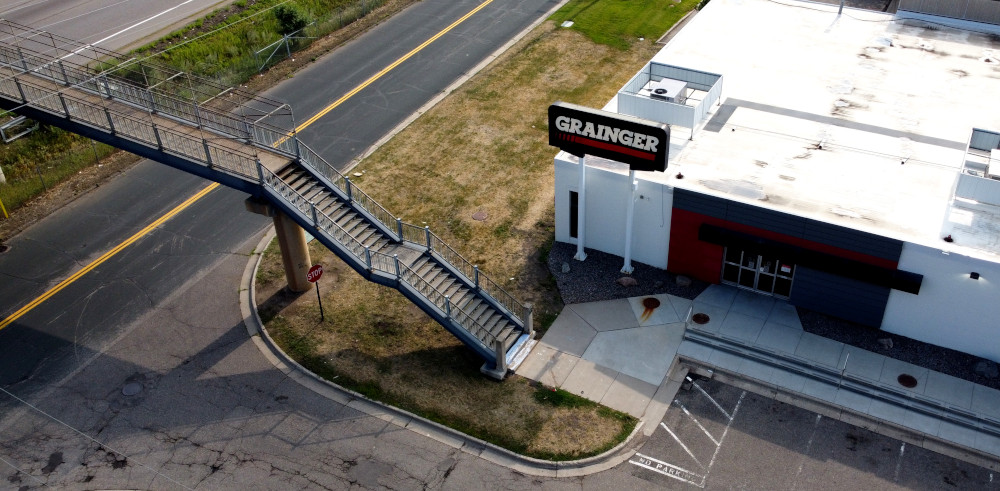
x: 374, y: 341
x: 484, y: 148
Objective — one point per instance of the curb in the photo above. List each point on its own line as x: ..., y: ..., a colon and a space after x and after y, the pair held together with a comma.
x: 455, y: 439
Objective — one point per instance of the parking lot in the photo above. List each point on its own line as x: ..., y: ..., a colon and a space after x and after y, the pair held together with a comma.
x: 717, y: 436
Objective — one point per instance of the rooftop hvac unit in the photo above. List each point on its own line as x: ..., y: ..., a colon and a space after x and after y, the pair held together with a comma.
x: 669, y: 90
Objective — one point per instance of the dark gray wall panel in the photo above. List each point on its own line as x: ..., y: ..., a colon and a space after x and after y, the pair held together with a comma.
x: 852, y: 240
x: 700, y: 203
x: 789, y: 224
x: 838, y: 296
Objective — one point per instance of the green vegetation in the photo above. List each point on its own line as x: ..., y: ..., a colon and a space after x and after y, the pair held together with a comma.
x: 619, y: 23
x: 34, y: 163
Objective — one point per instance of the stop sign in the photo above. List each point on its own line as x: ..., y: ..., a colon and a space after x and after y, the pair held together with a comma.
x: 314, y: 273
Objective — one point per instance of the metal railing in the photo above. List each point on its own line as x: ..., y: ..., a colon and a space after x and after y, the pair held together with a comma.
x: 134, y: 117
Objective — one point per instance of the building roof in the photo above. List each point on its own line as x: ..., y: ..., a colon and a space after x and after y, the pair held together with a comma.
x: 860, y: 120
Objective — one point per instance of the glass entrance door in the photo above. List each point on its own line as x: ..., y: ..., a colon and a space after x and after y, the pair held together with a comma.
x: 761, y: 273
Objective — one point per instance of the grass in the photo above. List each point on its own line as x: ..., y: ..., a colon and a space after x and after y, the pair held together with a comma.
x: 483, y: 148
x: 617, y: 23
x: 34, y: 163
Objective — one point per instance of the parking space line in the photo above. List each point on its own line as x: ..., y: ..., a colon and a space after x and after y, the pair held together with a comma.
x: 695, y: 384
x: 668, y: 470
x: 686, y: 449
x: 805, y: 454
x: 724, y: 433
x: 695, y: 420
x: 899, y: 463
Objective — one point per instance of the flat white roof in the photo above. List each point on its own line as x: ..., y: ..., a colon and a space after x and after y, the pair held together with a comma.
x: 860, y: 120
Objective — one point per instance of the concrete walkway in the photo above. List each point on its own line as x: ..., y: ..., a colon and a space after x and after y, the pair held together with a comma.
x: 622, y: 353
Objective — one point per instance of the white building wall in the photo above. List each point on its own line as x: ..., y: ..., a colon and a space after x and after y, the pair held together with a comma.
x: 952, y: 310
x: 606, y: 199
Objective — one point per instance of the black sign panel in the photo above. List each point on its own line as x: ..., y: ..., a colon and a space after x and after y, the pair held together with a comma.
x: 640, y: 143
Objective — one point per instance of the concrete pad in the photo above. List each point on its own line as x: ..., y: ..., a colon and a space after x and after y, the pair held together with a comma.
x: 921, y: 422
x: 819, y: 350
x: 859, y: 403
x: 629, y: 395
x: 718, y: 295
x: 789, y: 381
x: 886, y: 411
x: 959, y: 434
x: 784, y: 313
x: 741, y: 327
x: 548, y: 365
x: 820, y: 390
x: 862, y: 363
x: 752, y: 304
x: 608, y: 315
x: 725, y: 361
x: 986, y: 401
x: 681, y: 306
x: 715, y: 316
x: 643, y: 352
x: 779, y: 337
x: 663, y: 314
x: 589, y: 380
x: 988, y: 443
x: 756, y: 370
x: 952, y: 390
x: 695, y: 351
x: 569, y: 333
x: 893, y: 368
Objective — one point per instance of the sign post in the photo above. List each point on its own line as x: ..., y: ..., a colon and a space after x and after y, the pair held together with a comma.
x: 313, y: 276
x: 640, y: 143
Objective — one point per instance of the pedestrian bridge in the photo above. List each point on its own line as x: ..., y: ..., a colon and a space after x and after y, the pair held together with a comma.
x: 249, y: 143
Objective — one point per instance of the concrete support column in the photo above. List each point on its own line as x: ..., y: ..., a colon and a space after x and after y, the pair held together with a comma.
x: 294, y: 251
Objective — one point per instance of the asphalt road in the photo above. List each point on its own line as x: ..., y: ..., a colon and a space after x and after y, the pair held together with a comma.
x: 111, y: 24
x: 358, y: 122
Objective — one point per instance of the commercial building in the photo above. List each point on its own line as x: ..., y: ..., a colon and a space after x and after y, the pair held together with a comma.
x: 847, y: 163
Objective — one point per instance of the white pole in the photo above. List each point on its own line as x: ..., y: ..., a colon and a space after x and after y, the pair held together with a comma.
x: 633, y: 184
x: 581, y: 207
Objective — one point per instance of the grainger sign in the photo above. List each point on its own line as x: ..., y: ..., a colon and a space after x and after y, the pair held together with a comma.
x: 640, y: 143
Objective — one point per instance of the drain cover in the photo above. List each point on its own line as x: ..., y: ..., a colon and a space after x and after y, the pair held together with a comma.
x: 700, y: 318
x: 479, y: 215
x: 132, y: 388
x: 907, y: 380
x: 650, y: 303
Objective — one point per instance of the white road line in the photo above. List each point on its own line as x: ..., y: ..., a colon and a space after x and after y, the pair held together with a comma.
x: 805, y: 455
x: 695, y: 420
x: 695, y: 384
x: 724, y: 433
x: 899, y: 462
x: 668, y: 470
x: 137, y: 24
x: 679, y: 442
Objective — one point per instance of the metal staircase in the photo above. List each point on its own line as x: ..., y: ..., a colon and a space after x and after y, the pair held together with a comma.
x: 249, y: 143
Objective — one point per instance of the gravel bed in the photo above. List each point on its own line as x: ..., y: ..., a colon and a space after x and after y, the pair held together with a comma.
x: 596, y: 279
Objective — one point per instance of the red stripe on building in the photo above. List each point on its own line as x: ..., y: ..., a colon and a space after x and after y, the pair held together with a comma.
x: 612, y: 147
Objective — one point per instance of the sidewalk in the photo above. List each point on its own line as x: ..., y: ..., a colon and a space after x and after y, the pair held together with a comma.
x: 620, y: 353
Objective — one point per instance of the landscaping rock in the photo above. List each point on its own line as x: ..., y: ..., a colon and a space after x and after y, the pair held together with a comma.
x: 987, y: 369
x: 885, y: 343
x: 627, y: 281
x: 565, y: 267
x: 682, y: 281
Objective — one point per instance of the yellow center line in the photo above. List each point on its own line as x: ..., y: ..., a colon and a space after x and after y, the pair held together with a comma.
x: 190, y: 201
x: 107, y: 255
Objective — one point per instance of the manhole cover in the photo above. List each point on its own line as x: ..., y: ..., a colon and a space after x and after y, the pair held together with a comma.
x: 650, y: 303
x: 4, y: 248
x: 906, y: 380
x: 479, y: 215
x: 132, y: 388
x: 700, y: 318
